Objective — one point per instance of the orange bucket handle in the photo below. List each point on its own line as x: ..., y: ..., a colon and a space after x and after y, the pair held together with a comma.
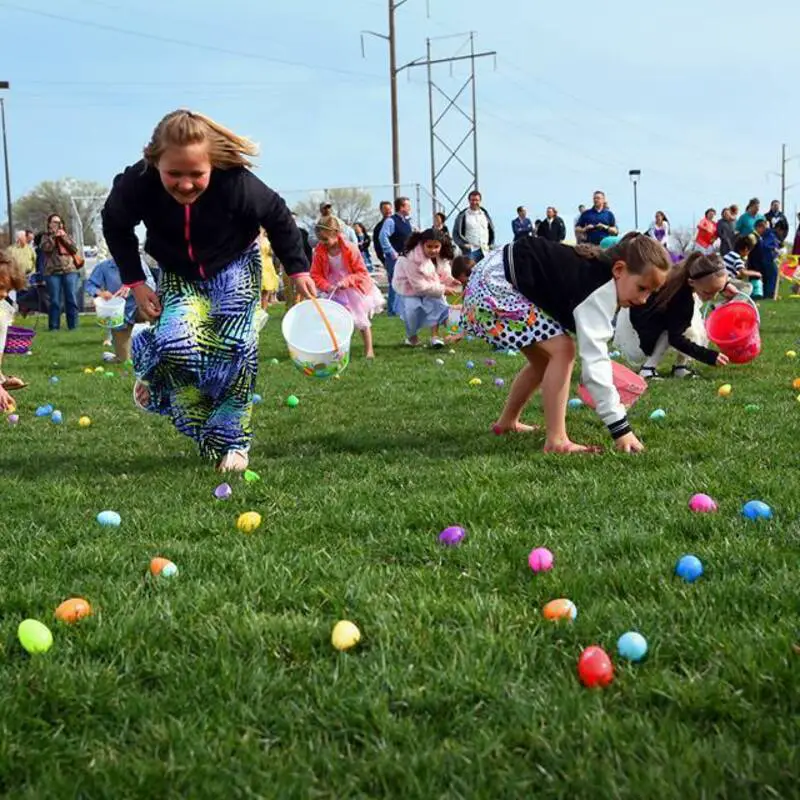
x: 325, y: 320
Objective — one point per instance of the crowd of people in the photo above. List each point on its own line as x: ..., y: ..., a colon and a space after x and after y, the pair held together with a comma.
x: 217, y: 250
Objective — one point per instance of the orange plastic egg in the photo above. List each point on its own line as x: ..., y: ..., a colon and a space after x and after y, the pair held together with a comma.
x: 560, y: 609
x: 162, y: 566
x: 796, y: 384
x: 73, y: 609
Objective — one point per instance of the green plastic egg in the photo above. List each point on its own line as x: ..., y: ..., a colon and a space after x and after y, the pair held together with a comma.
x: 34, y: 636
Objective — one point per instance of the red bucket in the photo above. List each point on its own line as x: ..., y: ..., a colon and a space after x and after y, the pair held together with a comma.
x: 733, y: 327
x: 629, y: 385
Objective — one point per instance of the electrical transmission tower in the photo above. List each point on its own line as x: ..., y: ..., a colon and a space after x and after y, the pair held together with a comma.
x: 448, y: 146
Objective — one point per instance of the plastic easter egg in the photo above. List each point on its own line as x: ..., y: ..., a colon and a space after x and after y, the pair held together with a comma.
x: 13, y: 419
x: 251, y: 476
x: 791, y: 354
x: 452, y: 536
x: 725, y: 390
x: 99, y: 370
x: 575, y: 402
x: 451, y: 352
x: 256, y: 399
x: 702, y: 504
x: 54, y: 379
x: 658, y: 414
x: 470, y: 365
x: 690, y: 568
x: 752, y: 408
x: 274, y: 362
x: 162, y: 567
x: 109, y: 357
x: 109, y: 374
x: 248, y: 521
x: 796, y: 384
x: 632, y: 646
x: 44, y: 411
x: 292, y: 401
x: 595, y: 667
x: 756, y: 509
x: 223, y: 491
x: 540, y: 559
x: 84, y: 422
x: 345, y: 635
x: 109, y: 519
x: 499, y: 383
x: 88, y: 371
x: 34, y: 636
x: 56, y: 418
x: 439, y: 362
x: 73, y: 609
x: 475, y: 382
x: 615, y: 354
x: 561, y: 609
x: 490, y: 362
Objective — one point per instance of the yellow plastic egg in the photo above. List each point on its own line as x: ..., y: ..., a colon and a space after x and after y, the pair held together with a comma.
x: 34, y: 636
x: 88, y: 371
x: 345, y: 635
x: 475, y: 382
x: 99, y: 369
x: 84, y: 422
x: 248, y: 521
x: 791, y: 354
x: 725, y: 390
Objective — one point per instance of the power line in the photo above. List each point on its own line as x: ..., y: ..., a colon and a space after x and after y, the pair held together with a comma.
x: 186, y: 43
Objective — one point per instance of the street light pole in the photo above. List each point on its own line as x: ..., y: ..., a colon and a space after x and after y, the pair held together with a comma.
x: 7, y: 85
x: 634, y: 175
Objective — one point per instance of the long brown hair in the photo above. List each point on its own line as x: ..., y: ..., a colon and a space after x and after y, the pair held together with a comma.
x: 696, y: 267
x: 180, y: 128
x: 639, y: 253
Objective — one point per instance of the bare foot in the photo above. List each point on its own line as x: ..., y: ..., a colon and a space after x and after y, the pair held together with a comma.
x: 518, y: 427
x: 567, y: 447
x: 234, y: 461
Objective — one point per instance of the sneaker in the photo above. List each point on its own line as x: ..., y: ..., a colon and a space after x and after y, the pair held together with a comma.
x: 680, y: 371
x: 649, y: 374
x: 409, y: 343
x: 437, y: 343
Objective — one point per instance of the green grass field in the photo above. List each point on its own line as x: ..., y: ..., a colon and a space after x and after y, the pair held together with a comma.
x: 222, y: 683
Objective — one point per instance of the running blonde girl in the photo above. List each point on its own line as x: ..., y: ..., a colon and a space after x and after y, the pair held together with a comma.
x: 202, y: 207
x: 532, y: 293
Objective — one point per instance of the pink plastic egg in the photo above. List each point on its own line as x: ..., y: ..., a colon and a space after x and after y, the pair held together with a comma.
x: 540, y: 560
x: 702, y: 504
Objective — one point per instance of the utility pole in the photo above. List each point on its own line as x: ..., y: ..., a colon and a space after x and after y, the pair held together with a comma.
x: 393, y: 73
x: 452, y: 104
x: 6, y: 85
x: 782, y: 175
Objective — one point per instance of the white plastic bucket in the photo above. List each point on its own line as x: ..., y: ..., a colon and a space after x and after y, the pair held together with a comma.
x: 454, y: 317
x: 311, y: 346
x: 110, y: 313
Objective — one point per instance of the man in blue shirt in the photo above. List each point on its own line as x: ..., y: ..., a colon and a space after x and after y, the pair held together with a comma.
x: 597, y: 222
x: 521, y: 225
x: 393, y: 236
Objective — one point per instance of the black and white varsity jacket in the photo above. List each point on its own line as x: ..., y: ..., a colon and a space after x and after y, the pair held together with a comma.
x: 580, y: 294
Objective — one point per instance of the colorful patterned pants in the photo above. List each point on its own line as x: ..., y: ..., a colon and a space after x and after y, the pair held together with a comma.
x: 200, y: 359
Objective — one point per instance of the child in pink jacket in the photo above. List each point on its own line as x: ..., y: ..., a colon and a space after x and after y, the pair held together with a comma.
x: 421, y: 280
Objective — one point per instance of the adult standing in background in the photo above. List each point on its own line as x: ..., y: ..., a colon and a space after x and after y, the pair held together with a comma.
x: 775, y: 216
x: 325, y: 213
x: 659, y: 230
x: 440, y: 224
x: 473, y: 230
x: 385, y: 208
x: 60, y: 273
x: 521, y: 225
x: 598, y: 221
x: 746, y: 224
x: 726, y: 232
x: 394, y: 235
x: 552, y: 227
x: 23, y: 254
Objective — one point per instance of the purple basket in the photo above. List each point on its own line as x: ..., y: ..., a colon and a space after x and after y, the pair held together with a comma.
x: 19, y: 340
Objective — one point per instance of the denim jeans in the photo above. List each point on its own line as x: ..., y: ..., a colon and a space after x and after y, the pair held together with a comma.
x: 476, y: 255
x: 68, y: 285
x: 391, y: 309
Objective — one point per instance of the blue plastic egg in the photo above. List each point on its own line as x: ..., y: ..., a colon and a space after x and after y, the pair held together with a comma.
x: 56, y: 418
x: 44, y: 411
x: 109, y: 519
x: 470, y: 365
x: 575, y: 402
x: 755, y: 509
x: 659, y: 413
x: 632, y: 646
x: 256, y: 399
x: 54, y: 379
x: 690, y: 568
x: 614, y: 354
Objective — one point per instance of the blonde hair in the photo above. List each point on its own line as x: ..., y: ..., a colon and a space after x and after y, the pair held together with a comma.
x: 14, y: 272
x: 182, y: 127
x: 328, y: 224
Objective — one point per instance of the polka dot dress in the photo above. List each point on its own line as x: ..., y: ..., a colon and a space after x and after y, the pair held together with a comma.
x: 494, y: 310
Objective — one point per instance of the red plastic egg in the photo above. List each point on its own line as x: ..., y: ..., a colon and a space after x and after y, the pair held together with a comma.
x: 595, y: 667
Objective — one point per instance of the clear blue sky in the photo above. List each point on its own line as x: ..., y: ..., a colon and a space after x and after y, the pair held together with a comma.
x: 580, y: 94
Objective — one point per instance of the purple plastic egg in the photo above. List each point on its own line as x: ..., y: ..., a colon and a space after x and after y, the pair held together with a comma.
x: 499, y: 382
x: 452, y: 536
x: 223, y: 491
x: 490, y: 362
